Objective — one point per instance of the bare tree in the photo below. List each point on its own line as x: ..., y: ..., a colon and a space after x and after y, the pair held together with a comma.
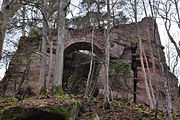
x: 107, y: 58
x: 169, y: 12
x: 59, y: 60
x: 43, y: 49
x: 167, y: 93
x: 91, y: 63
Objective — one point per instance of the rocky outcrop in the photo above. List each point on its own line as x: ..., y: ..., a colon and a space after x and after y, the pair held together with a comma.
x: 123, y: 41
x: 45, y: 108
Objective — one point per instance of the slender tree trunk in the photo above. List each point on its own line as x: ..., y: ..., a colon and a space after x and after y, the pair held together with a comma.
x: 172, y: 40
x: 43, y: 50
x: 168, y: 97
x: 59, y: 60
x: 145, y: 75
x: 176, y: 2
x: 107, y: 57
x: 50, y: 64
x: 150, y: 78
x: 141, y: 57
x: 98, y: 8
x: 144, y: 8
x: 91, y: 64
x: 113, y: 16
x: 135, y: 10
x: 4, y: 17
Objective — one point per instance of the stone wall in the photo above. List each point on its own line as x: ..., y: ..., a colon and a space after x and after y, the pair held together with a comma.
x: 123, y: 41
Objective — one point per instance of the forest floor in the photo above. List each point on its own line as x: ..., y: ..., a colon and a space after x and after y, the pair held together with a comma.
x: 93, y: 108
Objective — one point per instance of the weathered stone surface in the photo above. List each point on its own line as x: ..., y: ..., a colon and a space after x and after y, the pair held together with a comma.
x: 116, y: 51
x: 42, y: 110
x: 123, y: 41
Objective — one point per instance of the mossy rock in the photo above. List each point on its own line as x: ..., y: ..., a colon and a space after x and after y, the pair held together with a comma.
x: 58, y: 112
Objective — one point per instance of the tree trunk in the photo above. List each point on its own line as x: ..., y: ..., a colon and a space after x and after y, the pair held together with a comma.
x: 43, y: 50
x: 99, y: 19
x: 168, y: 97
x: 145, y: 75
x: 59, y: 60
x: 50, y: 65
x: 3, y: 25
x: 173, y: 41
x: 107, y: 57
x: 141, y: 57
x: 91, y: 64
x: 113, y: 16
x: 152, y: 57
x: 150, y: 78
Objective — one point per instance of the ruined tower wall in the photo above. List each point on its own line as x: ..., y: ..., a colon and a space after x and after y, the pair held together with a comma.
x: 123, y: 41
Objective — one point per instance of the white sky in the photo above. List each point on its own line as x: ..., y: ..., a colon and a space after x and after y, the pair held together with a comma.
x: 162, y: 32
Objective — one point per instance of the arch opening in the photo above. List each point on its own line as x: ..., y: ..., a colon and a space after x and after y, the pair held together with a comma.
x: 77, y: 59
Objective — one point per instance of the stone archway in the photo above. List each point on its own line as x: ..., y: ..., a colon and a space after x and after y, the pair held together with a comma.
x: 83, y: 46
x: 76, y: 66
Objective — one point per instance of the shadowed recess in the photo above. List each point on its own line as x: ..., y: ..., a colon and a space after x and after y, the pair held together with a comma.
x: 40, y: 115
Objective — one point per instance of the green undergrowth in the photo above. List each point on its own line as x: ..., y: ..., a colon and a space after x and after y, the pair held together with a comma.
x: 140, y: 111
x: 125, y: 110
x: 117, y: 108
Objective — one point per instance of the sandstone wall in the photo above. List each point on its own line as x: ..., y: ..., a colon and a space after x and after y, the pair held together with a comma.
x: 123, y: 40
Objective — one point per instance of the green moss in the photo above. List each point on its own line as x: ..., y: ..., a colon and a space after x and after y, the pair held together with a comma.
x: 43, y: 90
x: 117, y: 103
x: 140, y: 106
x: 80, y: 96
x: 93, y: 116
x: 94, y: 100
x: 67, y: 111
x: 63, y: 110
x: 127, y: 103
x: 66, y: 96
x: 7, y: 102
x: 57, y: 90
x: 12, y: 113
x: 73, y: 99
x: 119, y: 69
